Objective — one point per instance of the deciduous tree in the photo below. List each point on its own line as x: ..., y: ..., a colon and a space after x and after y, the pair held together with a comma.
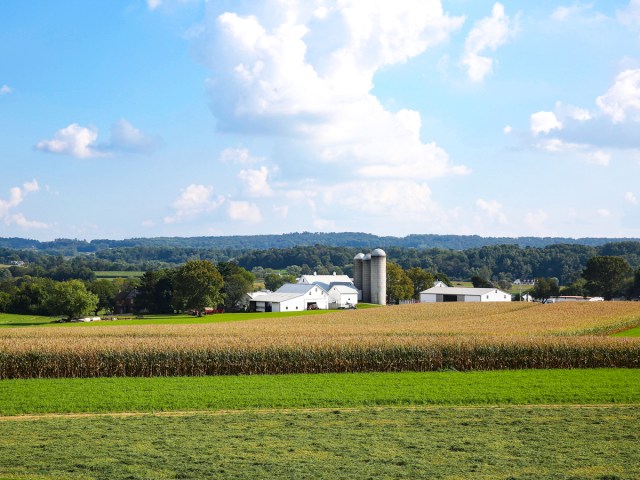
x: 607, y: 276
x: 196, y: 285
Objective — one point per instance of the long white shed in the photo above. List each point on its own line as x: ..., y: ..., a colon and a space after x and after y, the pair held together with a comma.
x: 461, y: 294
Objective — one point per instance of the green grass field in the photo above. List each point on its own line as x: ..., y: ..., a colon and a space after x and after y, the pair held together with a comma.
x: 519, y: 387
x: 446, y: 425
x: 595, y: 443
x: 632, y: 332
x: 118, y: 274
x: 11, y: 320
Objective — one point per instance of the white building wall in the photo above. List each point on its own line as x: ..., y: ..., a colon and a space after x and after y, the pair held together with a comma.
x: 428, y: 298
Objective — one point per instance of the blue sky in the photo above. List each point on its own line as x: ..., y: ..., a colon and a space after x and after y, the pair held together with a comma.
x: 138, y: 118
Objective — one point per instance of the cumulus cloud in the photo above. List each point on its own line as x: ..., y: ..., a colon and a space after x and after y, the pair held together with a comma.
x: 592, y: 134
x: 16, y: 197
x: 302, y: 72
x: 255, y: 182
x: 5, y: 90
x: 631, y: 198
x: 73, y: 140
x: 244, y: 212
x: 153, y: 4
x: 493, y: 209
x: 487, y: 35
x: 622, y: 100
x: 603, y: 212
x: 127, y: 138
x: 240, y: 156
x: 81, y: 142
x: 194, y: 200
x: 544, y: 122
x: 631, y: 15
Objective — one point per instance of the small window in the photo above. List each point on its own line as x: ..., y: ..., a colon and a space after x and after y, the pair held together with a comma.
x: 287, y: 308
x: 296, y: 308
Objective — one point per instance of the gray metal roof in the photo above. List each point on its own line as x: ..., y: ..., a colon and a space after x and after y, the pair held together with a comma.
x: 378, y: 252
x: 277, y: 297
x: 462, y: 291
x: 299, y: 288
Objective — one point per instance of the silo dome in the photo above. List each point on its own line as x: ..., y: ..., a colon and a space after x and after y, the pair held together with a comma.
x: 359, y: 256
x: 378, y: 252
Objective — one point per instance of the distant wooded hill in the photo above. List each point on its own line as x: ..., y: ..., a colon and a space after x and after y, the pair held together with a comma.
x: 288, y: 240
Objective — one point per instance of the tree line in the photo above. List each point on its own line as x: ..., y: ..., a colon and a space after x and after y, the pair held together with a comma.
x: 190, y: 287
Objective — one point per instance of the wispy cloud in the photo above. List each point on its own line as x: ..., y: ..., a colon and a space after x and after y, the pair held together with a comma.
x: 16, y: 197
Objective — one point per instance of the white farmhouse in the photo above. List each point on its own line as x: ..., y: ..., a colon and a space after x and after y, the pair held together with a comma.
x: 291, y: 297
x: 455, y: 294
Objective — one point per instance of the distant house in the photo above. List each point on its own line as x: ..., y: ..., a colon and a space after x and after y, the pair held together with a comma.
x: 456, y: 294
x: 291, y: 297
x: 126, y: 301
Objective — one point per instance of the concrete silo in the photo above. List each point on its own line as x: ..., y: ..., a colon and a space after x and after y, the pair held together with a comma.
x: 366, y: 278
x: 357, y: 274
x: 378, y: 276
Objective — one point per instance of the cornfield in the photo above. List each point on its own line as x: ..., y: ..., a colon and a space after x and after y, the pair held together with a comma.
x: 410, y: 337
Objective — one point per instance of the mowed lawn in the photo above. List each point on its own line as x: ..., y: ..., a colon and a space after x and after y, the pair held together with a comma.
x: 533, y: 442
x: 541, y: 424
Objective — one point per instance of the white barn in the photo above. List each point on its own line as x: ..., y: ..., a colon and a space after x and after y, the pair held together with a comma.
x: 343, y: 296
x: 291, y: 297
x: 455, y: 294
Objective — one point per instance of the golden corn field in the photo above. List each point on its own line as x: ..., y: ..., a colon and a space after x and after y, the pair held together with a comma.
x: 417, y: 337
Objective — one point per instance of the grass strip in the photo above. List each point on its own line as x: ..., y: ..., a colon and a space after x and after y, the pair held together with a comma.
x: 595, y: 443
x: 8, y: 320
x: 632, y: 332
x: 520, y: 387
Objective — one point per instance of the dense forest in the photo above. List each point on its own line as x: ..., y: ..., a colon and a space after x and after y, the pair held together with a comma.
x: 289, y: 240
x: 496, y: 262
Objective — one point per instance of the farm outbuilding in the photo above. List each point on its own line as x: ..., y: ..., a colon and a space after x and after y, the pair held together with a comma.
x: 343, y: 296
x: 455, y: 294
x: 291, y: 297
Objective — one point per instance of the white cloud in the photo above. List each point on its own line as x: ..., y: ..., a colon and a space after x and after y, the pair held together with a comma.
x: 487, y: 35
x: 148, y: 223
x: 631, y: 198
x: 631, y: 15
x: 536, y: 220
x: 264, y: 66
x: 603, y: 212
x: 125, y: 137
x: 80, y: 142
x: 623, y: 97
x: 599, y: 157
x: 20, y: 220
x: 5, y: 90
x: 240, y: 156
x: 153, y: 4
x: 544, y: 122
x: 194, y: 200
x: 244, y: 212
x: 493, y: 209
x: 507, y: 129
x: 281, y: 211
x: 73, y: 140
x: 16, y: 197
x: 255, y: 181
x: 582, y: 11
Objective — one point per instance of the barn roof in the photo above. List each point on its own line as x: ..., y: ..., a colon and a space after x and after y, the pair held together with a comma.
x: 462, y: 291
